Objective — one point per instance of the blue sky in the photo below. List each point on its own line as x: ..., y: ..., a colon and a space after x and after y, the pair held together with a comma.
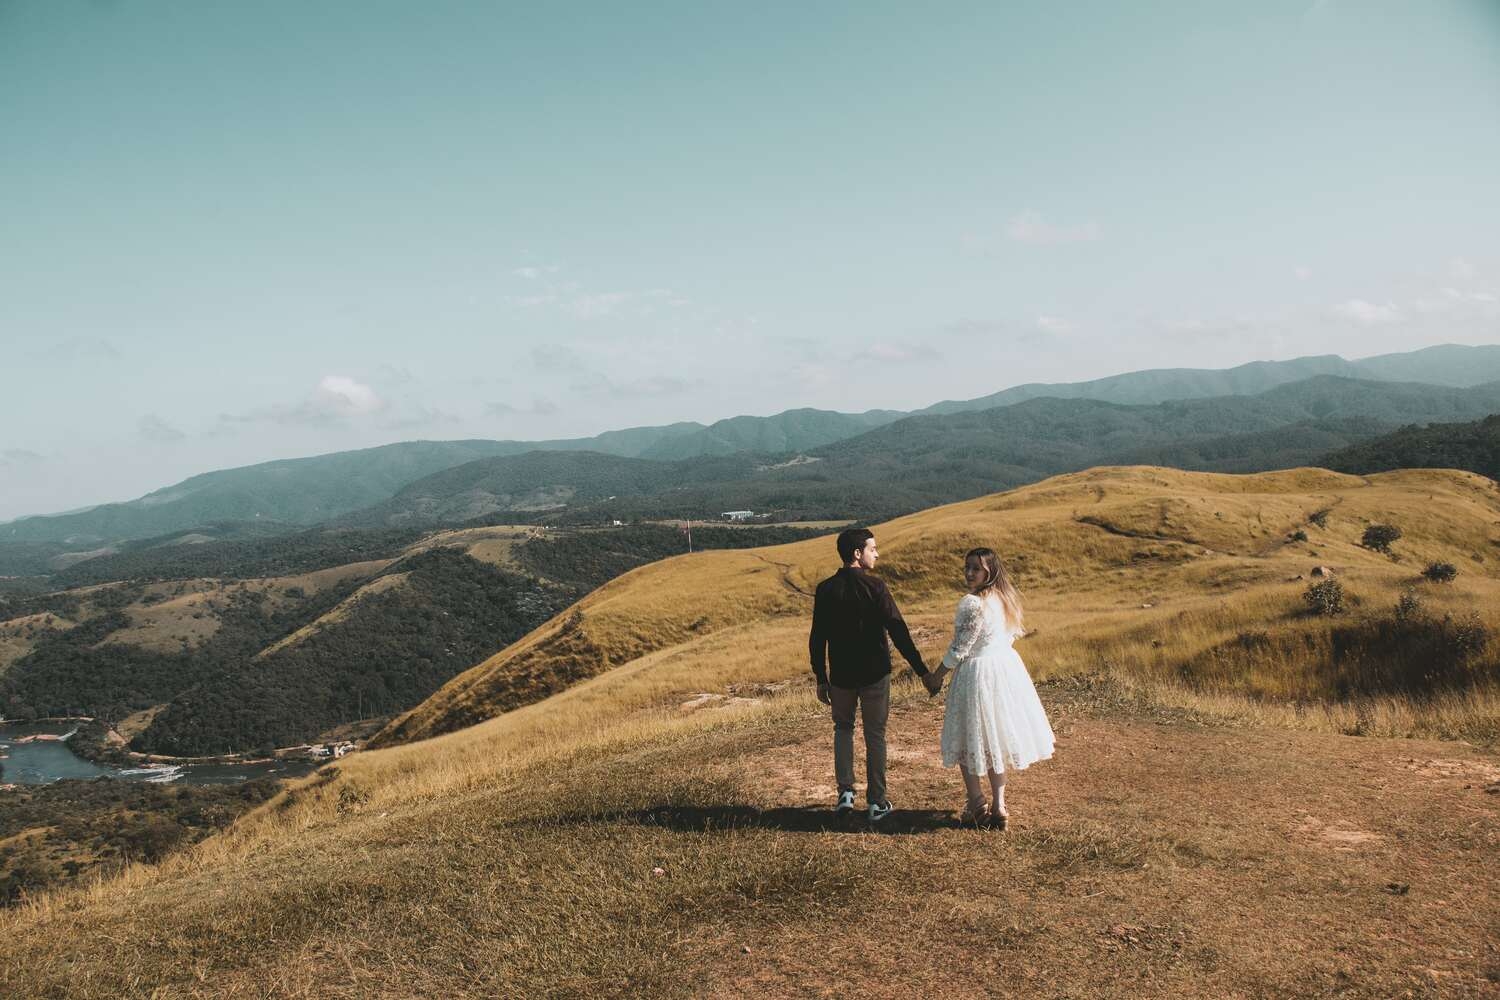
x: 235, y: 232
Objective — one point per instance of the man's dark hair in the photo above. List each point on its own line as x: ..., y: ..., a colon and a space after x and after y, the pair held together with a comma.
x: 851, y: 540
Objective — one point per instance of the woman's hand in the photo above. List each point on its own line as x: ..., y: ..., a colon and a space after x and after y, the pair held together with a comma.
x: 934, y: 679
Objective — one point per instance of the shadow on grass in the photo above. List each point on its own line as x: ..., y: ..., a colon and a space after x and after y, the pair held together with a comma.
x: 803, y: 819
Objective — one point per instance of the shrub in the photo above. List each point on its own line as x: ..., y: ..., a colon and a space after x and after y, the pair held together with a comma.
x: 1298, y: 536
x: 1325, y: 597
x: 1440, y: 572
x: 1380, y: 536
x: 351, y: 799
x: 1319, y: 518
x: 1410, y: 609
x: 1410, y: 652
x: 1466, y: 636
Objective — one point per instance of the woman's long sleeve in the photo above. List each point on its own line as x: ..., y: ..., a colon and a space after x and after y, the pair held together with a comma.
x: 968, y: 624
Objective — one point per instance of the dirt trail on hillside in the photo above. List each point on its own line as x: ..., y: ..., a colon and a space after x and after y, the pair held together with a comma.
x: 1155, y: 857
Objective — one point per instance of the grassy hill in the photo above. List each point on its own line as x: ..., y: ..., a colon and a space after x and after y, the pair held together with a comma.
x: 660, y: 828
x: 1101, y: 543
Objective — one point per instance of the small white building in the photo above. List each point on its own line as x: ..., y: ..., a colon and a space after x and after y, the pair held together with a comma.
x: 737, y: 515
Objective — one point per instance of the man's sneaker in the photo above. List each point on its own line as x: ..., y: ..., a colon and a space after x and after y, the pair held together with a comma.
x: 879, y: 812
x: 846, y: 803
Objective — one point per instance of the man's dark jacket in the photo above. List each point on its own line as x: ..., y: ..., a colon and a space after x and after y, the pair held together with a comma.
x: 852, y: 612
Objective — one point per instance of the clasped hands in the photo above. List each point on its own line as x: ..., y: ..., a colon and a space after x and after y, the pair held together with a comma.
x: 933, y: 679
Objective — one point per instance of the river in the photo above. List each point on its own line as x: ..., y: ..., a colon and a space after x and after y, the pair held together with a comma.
x: 46, y: 761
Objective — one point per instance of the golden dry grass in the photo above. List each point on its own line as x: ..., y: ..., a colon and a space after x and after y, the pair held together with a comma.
x: 170, y: 614
x: 1136, y: 573
x: 190, y: 617
x: 1162, y: 854
x: 691, y: 855
x: 17, y: 636
x: 492, y: 544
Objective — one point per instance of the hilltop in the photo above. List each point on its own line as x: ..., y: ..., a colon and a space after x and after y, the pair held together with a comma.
x: 657, y: 825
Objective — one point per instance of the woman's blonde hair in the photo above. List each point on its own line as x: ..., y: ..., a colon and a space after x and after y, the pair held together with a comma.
x: 996, y: 581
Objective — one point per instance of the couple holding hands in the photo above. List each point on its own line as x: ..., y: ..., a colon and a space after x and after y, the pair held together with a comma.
x: 993, y: 719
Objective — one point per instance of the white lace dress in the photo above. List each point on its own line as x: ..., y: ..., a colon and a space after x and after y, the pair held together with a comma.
x: 993, y: 719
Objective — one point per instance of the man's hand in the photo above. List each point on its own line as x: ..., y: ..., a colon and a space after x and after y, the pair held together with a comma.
x: 933, y: 682
x: 823, y: 694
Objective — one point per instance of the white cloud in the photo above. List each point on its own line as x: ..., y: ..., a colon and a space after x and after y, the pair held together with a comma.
x: 539, y: 408
x: 1302, y: 273
x: 335, y: 399
x: 79, y: 349
x: 153, y: 428
x: 417, y: 416
x: 20, y: 456
x: 396, y: 375
x: 1030, y: 227
x: 886, y: 353
x: 1367, y: 313
x: 1481, y: 298
x: 532, y: 273
x: 529, y: 301
x: 641, y: 388
x: 1460, y: 269
x: 812, y: 375
x: 1053, y: 324
x: 556, y: 358
x: 976, y: 327
x: 343, y: 394
x: 595, y: 306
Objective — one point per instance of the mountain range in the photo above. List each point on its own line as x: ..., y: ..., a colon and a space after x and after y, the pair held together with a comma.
x: 921, y: 461
x: 374, y: 484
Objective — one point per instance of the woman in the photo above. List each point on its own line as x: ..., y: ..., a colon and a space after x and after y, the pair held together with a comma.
x: 993, y: 719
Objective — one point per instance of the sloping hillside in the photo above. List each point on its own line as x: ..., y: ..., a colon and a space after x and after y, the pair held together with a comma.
x: 201, y: 664
x: 1092, y: 548
x: 627, y: 838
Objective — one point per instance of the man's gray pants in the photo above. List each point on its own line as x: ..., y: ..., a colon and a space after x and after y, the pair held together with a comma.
x: 874, y: 702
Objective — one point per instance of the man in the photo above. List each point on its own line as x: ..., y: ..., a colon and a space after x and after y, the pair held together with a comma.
x: 851, y: 659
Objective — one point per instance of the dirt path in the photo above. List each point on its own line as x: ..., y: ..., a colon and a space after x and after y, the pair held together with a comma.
x: 1153, y: 858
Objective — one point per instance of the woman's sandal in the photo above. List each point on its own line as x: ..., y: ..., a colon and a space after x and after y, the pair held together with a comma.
x: 977, y: 812
x: 997, y: 819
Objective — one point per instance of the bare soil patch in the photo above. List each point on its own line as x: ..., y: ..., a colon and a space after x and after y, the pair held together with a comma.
x: 1153, y: 858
